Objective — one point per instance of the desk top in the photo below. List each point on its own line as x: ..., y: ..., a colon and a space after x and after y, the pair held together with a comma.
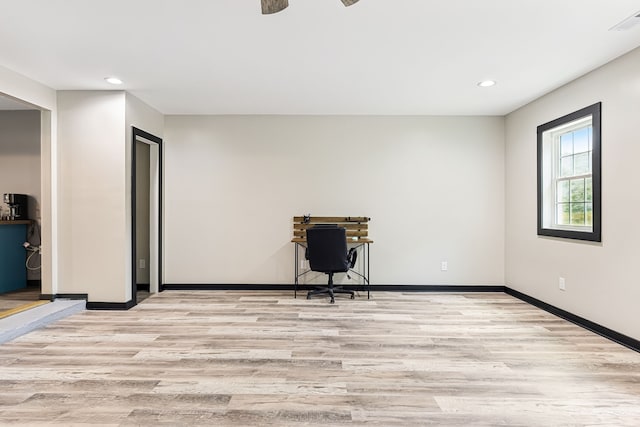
x: 349, y: 241
x: 16, y: 222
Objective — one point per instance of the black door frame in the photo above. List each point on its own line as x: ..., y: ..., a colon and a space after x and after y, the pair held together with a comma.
x: 135, y: 133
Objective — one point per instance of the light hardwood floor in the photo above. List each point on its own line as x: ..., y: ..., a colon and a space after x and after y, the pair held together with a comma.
x: 11, y: 300
x: 263, y: 358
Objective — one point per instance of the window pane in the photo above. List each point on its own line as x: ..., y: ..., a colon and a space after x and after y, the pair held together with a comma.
x: 577, y: 213
x: 581, y: 163
x: 588, y: 207
x: 563, y: 214
x: 577, y: 190
x: 562, y: 191
x: 566, y: 166
x: 566, y: 144
x: 588, y: 190
x: 581, y: 140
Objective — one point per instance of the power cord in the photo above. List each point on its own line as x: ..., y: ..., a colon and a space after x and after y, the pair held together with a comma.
x: 34, y: 250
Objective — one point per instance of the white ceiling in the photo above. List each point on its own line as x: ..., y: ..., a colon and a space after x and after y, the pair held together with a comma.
x: 408, y: 57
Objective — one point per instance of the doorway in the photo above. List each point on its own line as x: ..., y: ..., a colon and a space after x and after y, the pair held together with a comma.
x: 21, y: 131
x: 146, y: 209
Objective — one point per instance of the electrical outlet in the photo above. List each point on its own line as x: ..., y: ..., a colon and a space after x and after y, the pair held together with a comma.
x: 561, y: 284
x: 142, y: 263
x: 444, y: 266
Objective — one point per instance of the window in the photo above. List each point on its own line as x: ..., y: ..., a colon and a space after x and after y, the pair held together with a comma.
x: 569, y: 176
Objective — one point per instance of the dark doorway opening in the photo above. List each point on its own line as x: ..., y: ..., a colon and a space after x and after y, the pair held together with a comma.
x: 146, y: 212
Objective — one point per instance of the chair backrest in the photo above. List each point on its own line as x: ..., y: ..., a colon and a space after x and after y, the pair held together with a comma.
x: 327, y: 249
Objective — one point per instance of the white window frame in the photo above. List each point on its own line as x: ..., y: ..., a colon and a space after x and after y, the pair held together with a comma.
x: 551, y: 139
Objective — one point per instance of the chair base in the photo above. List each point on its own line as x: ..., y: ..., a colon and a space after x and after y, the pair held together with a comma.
x: 331, y: 291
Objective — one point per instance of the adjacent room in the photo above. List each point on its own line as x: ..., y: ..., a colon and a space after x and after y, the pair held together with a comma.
x: 166, y: 166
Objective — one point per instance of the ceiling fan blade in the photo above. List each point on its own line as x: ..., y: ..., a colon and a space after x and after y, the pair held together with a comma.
x: 349, y: 2
x: 274, y: 6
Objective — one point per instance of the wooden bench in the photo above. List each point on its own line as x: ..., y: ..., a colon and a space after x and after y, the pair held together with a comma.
x: 357, y: 227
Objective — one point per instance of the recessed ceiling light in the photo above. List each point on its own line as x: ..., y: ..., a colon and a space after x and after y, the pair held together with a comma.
x: 113, y: 80
x: 487, y: 83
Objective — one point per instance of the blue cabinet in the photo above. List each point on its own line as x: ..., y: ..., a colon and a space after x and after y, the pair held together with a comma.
x: 13, y: 272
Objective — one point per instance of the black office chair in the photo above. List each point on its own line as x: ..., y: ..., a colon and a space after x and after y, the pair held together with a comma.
x: 327, y: 253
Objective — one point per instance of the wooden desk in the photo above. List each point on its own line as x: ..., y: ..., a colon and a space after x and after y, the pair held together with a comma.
x: 357, y: 228
x: 16, y: 222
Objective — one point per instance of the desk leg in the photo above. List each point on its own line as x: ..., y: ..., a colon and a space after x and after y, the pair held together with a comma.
x: 368, y: 274
x: 295, y: 269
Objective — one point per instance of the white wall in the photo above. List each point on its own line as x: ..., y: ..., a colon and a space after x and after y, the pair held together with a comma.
x: 601, y: 279
x: 145, y: 118
x: 24, y: 89
x: 40, y: 96
x: 92, y: 204
x: 95, y: 190
x: 20, y: 156
x: 433, y: 186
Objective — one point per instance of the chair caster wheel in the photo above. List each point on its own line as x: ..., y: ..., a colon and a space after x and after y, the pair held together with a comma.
x: 353, y: 296
x: 332, y: 301
x: 308, y: 296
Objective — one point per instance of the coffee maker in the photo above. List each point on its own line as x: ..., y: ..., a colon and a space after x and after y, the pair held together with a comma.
x: 18, y: 206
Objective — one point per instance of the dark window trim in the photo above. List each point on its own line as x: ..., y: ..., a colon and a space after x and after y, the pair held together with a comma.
x: 596, y: 235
